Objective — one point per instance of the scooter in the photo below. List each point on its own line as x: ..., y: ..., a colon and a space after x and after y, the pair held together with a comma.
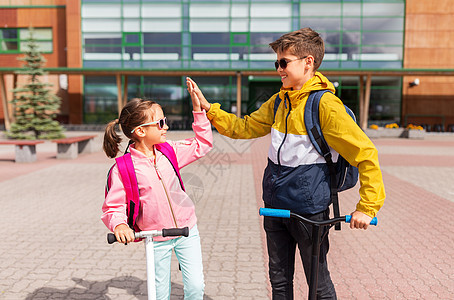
x: 316, y: 238
x: 148, y: 237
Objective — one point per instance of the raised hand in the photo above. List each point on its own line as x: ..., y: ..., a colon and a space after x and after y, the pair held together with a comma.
x: 194, y: 97
x: 203, y: 102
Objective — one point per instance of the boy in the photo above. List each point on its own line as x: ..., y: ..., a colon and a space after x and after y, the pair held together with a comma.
x: 295, y: 177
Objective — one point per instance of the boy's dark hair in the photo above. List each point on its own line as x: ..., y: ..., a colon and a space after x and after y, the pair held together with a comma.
x: 302, y: 42
x: 135, y: 112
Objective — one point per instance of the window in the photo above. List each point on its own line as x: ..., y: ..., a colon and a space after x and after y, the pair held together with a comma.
x: 9, y: 40
x: 14, y: 40
x: 239, y: 39
x: 357, y: 34
x: 100, y: 11
x: 162, y: 39
x: 161, y: 46
x: 218, y: 38
x: 230, y: 35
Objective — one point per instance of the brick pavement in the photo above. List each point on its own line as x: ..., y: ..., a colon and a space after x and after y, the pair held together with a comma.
x: 55, y: 246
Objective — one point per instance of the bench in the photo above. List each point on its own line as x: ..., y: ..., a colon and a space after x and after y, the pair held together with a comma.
x: 25, y: 149
x: 71, y: 147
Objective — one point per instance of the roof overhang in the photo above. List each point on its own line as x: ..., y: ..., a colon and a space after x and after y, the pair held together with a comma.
x: 182, y: 72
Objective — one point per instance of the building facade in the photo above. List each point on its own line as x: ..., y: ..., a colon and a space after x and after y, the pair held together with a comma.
x: 233, y: 35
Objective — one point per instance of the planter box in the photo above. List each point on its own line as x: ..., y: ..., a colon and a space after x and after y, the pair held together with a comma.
x: 385, y: 132
x: 414, y: 134
x: 395, y: 133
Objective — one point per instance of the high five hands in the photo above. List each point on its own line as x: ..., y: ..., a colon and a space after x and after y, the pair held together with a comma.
x: 198, y: 100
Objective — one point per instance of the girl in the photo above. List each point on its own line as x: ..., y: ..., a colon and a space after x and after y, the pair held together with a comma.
x: 164, y: 204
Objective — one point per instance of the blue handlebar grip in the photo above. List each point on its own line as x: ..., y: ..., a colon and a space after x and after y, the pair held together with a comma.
x: 271, y: 212
x: 374, y: 221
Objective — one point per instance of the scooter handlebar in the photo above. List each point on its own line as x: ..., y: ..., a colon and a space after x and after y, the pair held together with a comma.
x: 165, y: 232
x: 111, y: 238
x: 284, y: 213
x: 374, y: 221
x: 176, y: 232
x: 271, y: 212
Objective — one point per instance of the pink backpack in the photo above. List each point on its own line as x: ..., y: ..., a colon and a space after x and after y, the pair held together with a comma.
x: 128, y: 177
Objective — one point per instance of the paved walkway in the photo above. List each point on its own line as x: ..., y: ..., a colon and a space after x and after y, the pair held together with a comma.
x: 54, y: 242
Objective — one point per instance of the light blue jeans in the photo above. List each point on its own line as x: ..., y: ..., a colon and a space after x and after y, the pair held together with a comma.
x: 189, y: 254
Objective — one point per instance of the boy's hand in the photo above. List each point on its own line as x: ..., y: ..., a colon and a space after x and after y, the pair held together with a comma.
x: 359, y: 220
x: 203, y: 102
x: 124, y: 234
x: 195, y: 99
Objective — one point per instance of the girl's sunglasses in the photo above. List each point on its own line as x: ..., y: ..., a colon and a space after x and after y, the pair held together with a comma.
x: 161, y: 123
x: 283, y: 63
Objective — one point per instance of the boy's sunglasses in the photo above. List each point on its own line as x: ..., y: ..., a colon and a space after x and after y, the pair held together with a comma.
x: 161, y: 123
x: 283, y: 62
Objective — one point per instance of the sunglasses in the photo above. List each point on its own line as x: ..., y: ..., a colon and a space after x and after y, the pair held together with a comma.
x: 161, y: 123
x: 283, y: 62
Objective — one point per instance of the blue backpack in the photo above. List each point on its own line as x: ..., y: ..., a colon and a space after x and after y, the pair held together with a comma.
x: 343, y: 175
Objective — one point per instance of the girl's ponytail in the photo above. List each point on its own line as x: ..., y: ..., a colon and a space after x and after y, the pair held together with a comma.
x: 111, y: 140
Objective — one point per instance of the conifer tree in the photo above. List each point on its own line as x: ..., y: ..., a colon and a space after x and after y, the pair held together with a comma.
x: 35, y: 105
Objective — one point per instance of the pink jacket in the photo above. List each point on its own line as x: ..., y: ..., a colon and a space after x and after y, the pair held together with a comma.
x: 164, y: 204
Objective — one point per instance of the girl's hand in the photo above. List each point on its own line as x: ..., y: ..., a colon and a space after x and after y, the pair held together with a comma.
x: 124, y: 234
x: 195, y: 99
x: 203, y: 102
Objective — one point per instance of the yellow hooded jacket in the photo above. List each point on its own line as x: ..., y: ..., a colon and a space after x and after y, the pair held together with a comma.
x: 295, y: 177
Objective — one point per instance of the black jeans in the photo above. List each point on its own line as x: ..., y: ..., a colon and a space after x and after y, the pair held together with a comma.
x: 282, y: 236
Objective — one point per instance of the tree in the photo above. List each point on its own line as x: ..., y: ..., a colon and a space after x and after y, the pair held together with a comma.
x: 35, y: 105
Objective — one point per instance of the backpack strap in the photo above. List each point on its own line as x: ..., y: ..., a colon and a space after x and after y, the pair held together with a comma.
x: 314, y: 131
x: 109, y: 181
x: 169, y: 152
x: 312, y: 123
x: 128, y: 177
